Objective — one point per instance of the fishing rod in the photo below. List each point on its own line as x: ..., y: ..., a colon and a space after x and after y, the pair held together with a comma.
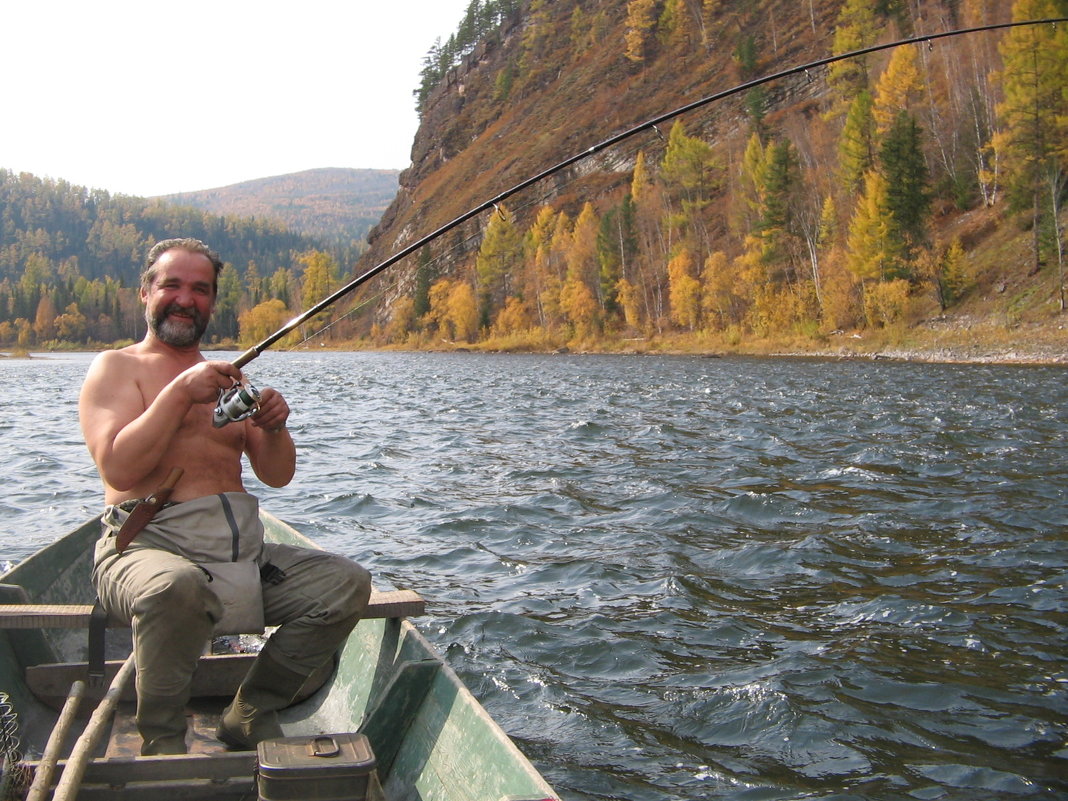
x: 246, y: 405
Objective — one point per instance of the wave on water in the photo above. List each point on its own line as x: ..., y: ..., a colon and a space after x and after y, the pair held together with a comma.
x: 678, y: 578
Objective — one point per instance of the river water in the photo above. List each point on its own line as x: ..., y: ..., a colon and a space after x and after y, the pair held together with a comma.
x: 682, y: 578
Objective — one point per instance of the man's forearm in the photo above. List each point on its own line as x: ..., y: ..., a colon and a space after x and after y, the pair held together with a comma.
x: 273, y: 456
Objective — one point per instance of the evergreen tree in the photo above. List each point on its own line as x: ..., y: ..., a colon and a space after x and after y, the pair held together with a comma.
x: 617, y: 242
x: 224, y: 317
x: 429, y: 76
x: 856, y: 28
x: 856, y: 148
x: 1034, y: 120
x: 778, y: 222
x: 908, y: 197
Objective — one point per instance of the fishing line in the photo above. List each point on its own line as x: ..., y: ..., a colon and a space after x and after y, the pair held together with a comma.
x: 443, y: 256
x: 652, y: 124
x: 341, y: 318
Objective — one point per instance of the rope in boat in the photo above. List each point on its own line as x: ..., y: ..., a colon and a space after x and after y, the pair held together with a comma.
x: 14, y: 776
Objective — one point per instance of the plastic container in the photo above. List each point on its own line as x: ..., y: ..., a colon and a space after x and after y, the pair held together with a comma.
x: 323, y: 767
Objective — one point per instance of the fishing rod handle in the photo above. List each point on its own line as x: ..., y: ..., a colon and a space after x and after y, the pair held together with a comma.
x: 245, y: 358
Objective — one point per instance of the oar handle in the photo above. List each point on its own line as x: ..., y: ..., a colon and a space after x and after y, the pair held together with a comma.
x: 42, y: 779
x: 71, y: 780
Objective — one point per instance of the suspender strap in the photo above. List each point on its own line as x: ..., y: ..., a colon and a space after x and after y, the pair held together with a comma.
x: 98, y: 624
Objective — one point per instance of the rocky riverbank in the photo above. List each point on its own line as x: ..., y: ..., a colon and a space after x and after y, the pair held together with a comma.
x: 956, y: 340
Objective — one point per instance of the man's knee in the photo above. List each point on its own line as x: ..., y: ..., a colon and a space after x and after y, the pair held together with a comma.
x: 353, y: 582
x: 317, y: 588
x: 180, y: 592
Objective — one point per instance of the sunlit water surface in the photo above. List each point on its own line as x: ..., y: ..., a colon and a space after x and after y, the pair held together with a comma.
x: 681, y: 578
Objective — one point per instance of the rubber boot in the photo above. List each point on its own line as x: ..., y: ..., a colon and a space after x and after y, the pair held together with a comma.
x: 162, y: 723
x: 251, y: 717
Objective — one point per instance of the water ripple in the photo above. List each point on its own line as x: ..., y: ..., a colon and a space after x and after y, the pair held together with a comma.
x: 681, y: 578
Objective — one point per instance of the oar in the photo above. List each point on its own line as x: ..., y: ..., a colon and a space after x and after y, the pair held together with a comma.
x: 42, y: 779
x: 70, y: 781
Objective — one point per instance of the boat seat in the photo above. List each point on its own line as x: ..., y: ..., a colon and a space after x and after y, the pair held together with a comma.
x: 217, y: 675
x: 391, y: 603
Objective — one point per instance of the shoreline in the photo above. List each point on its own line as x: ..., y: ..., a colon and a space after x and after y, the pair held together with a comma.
x: 1033, y: 353
x: 970, y: 354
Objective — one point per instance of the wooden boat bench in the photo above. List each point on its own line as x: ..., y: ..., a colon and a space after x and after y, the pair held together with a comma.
x: 392, y: 603
x: 216, y: 675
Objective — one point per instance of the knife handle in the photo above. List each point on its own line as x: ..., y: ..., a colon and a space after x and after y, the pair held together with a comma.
x: 171, y: 481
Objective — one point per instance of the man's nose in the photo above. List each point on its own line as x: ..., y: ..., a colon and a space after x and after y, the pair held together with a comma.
x: 184, y: 298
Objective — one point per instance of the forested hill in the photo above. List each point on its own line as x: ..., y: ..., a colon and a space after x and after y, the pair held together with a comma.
x: 70, y: 259
x: 334, y: 205
x: 874, y: 195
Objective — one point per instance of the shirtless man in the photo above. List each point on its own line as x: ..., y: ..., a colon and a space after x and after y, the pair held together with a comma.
x: 148, y: 408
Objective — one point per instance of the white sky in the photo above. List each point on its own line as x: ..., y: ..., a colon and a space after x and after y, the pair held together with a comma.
x: 151, y: 97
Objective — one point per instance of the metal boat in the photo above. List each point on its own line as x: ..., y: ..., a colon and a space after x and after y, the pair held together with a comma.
x: 67, y: 732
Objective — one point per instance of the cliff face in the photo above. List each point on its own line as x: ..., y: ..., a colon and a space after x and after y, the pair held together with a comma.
x: 754, y: 228
x: 455, y: 116
x: 441, y: 134
x: 573, y: 86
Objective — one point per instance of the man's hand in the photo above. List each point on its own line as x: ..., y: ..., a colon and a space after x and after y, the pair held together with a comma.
x: 202, y: 381
x: 273, y: 413
x: 268, y: 444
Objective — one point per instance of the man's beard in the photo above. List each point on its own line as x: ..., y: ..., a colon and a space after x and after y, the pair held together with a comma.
x: 175, y: 333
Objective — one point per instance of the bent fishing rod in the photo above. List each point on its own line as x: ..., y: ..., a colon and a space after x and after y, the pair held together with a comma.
x: 246, y: 405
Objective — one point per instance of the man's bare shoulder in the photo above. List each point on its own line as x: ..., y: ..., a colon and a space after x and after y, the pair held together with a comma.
x: 117, y: 373
x: 121, y: 358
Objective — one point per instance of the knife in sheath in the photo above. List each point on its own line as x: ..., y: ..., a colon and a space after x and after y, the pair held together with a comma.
x: 145, y: 510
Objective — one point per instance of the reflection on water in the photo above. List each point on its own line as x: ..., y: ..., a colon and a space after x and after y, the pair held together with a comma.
x: 683, y: 578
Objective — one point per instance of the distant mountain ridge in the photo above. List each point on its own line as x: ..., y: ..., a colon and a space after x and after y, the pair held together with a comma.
x: 338, y: 205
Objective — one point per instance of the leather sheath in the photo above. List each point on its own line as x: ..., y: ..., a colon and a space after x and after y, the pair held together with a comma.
x: 145, y: 510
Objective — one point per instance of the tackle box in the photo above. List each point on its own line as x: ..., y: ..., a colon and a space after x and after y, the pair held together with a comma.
x: 321, y: 767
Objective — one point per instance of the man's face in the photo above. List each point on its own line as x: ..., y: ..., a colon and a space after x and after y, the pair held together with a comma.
x: 179, y: 301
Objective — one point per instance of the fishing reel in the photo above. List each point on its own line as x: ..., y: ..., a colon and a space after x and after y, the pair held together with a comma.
x: 236, y: 403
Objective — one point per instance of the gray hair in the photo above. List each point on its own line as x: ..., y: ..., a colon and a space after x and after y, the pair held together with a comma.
x: 148, y: 274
